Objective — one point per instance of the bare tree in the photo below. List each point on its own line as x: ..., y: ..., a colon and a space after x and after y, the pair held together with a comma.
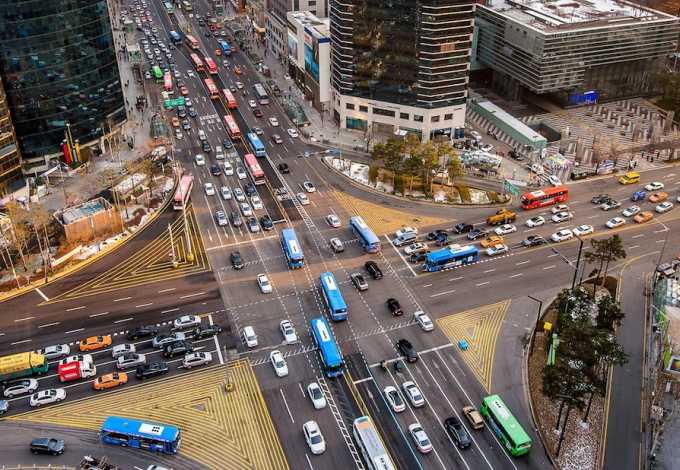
x: 369, y: 134
x: 599, y: 157
x: 672, y: 143
x: 18, y: 233
x: 112, y: 136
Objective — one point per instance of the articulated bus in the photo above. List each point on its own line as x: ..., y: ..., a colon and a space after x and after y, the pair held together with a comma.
x: 255, y: 142
x: 229, y: 99
x: 333, y: 297
x: 182, y: 192
x: 187, y: 6
x: 232, y: 129
x: 504, y: 424
x: 167, y: 84
x: 330, y: 354
x: 292, y: 249
x: 544, y: 197
x: 157, y: 73
x: 371, y: 445
x: 196, y: 62
x: 212, y: 89
x: 141, y: 435
x: 363, y: 232
x: 254, y: 168
x: 260, y: 95
x: 191, y: 42
x: 450, y: 257
x: 212, y: 68
x: 226, y: 48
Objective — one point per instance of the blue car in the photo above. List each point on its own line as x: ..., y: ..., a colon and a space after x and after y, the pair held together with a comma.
x: 638, y: 196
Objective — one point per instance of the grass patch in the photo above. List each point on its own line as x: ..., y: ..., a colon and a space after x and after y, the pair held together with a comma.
x: 464, y: 193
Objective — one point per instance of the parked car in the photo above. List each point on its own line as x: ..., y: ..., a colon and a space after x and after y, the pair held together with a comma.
x: 373, y: 269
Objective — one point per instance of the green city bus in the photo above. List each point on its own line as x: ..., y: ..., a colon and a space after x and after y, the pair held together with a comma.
x: 187, y: 6
x: 506, y: 427
x: 157, y: 73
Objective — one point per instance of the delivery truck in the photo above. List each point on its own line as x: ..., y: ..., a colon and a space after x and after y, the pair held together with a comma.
x: 22, y: 365
x: 76, y: 370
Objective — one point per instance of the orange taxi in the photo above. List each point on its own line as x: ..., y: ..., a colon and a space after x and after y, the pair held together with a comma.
x: 95, y: 342
x: 218, y: 52
x: 645, y: 216
x: 219, y: 25
x: 492, y: 241
x: 658, y: 197
x: 238, y: 70
x: 184, y: 91
x: 175, y: 122
x: 110, y: 380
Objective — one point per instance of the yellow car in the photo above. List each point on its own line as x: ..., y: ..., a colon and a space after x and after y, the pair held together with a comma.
x: 218, y: 52
x: 238, y: 70
x: 492, y: 241
x: 175, y: 122
x: 95, y: 342
x: 110, y: 380
x: 645, y: 216
x: 658, y: 197
x: 183, y: 90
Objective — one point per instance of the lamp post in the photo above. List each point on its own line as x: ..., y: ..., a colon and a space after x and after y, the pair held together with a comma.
x: 578, y: 261
x: 663, y: 248
x: 538, y: 318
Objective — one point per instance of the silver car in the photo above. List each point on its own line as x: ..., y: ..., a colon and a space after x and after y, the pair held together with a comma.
x: 19, y: 387
x: 130, y: 360
x: 55, y: 352
x: 167, y: 338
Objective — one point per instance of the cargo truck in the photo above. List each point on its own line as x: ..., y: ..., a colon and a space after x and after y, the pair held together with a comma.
x: 76, y: 370
x: 22, y: 365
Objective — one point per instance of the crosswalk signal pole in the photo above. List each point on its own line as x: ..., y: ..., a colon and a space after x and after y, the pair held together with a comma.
x: 229, y: 384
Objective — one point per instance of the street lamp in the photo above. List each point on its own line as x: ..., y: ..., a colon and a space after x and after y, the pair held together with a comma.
x: 538, y: 318
x: 578, y: 261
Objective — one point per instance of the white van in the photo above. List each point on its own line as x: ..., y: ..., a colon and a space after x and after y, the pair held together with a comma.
x: 249, y: 336
x: 405, y: 239
x: 219, y: 153
x: 228, y: 169
x: 201, y: 135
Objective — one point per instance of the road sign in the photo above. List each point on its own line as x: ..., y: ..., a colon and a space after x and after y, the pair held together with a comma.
x: 511, y: 188
x: 178, y: 102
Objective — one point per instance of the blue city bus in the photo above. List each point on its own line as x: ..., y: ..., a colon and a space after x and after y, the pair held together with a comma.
x: 333, y: 297
x: 260, y: 94
x: 363, y: 232
x: 291, y: 248
x: 174, y: 38
x: 450, y: 257
x: 141, y: 435
x: 330, y: 355
x: 226, y: 48
x: 258, y: 148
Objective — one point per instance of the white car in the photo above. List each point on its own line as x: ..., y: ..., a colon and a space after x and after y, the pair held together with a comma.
x: 209, y: 189
x: 476, y: 135
x: 279, y: 363
x: 77, y: 358
x: 304, y: 200
x: 423, y: 320
x: 221, y: 218
x: 293, y: 133
x: 196, y: 359
x: 309, y: 186
x: 55, y: 352
x: 245, y: 209
x: 413, y: 394
x: 177, y: 74
x: 314, y: 438
x: 130, y: 360
x: 225, y: 192
x: 405, y: 230
x: 263, y: 282
x: 582, y: 230
x: 316, y: 395
x: 123, y: 349
x: 45, y: 397
x: 252, y: 103
x: 655, y: 186
x: 505, y: 229
x: 631, y: 211
x: 249, y: 336
x: 560, y: 208
x: 241, y: 173
x: 664, y: 207
x: 562, y: 235
x: 562, y: 217
x: 200, y: 159
x: 190, y: 73
x: 239, y: 194
x: 186, y: 321
x: 420, y: 438
x: 239, y: 85
x: 487, y: 147
x: 273, y: 122
x: 20, y: 386
x: 616, y: 222
x: 395, y: 399
x: 256, y: 202
x: 415, y: 248
x: 333, y: 220
x: 288, y: 332
x: 554, y: 180
x: 535, y: 222
x: 497, y: 250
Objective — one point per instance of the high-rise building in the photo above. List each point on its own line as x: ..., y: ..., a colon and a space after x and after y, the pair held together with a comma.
x: 275, y: 20
x: 11, y: 177
x: 400, y: 66
x: 58, y: 67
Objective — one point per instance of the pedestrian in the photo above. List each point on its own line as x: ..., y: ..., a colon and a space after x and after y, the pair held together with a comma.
x: 657, y: 155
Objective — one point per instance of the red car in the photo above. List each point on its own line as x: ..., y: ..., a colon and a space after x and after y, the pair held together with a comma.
x: 257, y: 113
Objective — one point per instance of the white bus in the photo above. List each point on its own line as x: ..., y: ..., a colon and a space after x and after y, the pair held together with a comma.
x: 371, y: 445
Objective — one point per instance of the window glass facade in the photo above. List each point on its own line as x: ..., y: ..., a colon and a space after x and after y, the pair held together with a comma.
x: 11, y: 177
x: 58, y: 67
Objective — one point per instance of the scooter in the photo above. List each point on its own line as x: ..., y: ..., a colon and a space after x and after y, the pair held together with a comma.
x: 398, y: 366
x: 383, y: 365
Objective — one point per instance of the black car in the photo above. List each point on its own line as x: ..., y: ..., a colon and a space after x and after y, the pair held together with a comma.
x: 601, y: 199
x: 418, y: 257
x: 478, y: 233
x: 215, y: 170
x: 181, y: 112
x: 227, y: 144
x: 206, y: 146
x: 394, y: 306
x: 237, y: 260
x: 207, y: 34
x: 407, y: 350
x: 516, y: 155
x: 236, y: 219
x: 47, y: 445
x: 152, y: 369
x: 143, y: 331
x: 533, y: 240
x: 373, y: 269
x: 178, y: 347
x: 462, y: 228
x: 436, y: 234
x: 249, y: 189
x: 267, y: 222
x: 206, y: 331
x: 284, y: 168
x: 457, y: 432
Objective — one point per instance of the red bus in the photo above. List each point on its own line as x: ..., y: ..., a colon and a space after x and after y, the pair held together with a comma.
x: 229, y: 98
x: 212, y: 89
x: 212, y: 68
x: 167, y: 84
x: 198, y: 63
x: 232, y: 128
x: 183, y: 192
x: 191, y: 42
x: 544, y: 197
x: 254, y: 168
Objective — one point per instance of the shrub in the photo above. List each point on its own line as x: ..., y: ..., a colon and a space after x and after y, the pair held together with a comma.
x: 373, y: 174
x: 464, y: 193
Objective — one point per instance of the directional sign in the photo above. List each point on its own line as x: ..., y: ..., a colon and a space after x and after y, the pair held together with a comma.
x: 511, y: 188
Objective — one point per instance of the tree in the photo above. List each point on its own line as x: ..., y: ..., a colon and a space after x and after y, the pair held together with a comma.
x: 604, y: 252
x: 112, y: 136
x: 672, y: 143
x: 394, y: 155
x: 378, y: 152
x: 455, y: 168
x: 368, y: 134
x: 599, y: 156
x: 430, y: 161
x: 412, y: 166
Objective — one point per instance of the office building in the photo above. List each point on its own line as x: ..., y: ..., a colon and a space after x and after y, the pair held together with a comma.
x: 275, y: 20
x: 11, y: 177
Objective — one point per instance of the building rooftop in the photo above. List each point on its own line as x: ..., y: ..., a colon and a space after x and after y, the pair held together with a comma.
x: 571, y: 15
